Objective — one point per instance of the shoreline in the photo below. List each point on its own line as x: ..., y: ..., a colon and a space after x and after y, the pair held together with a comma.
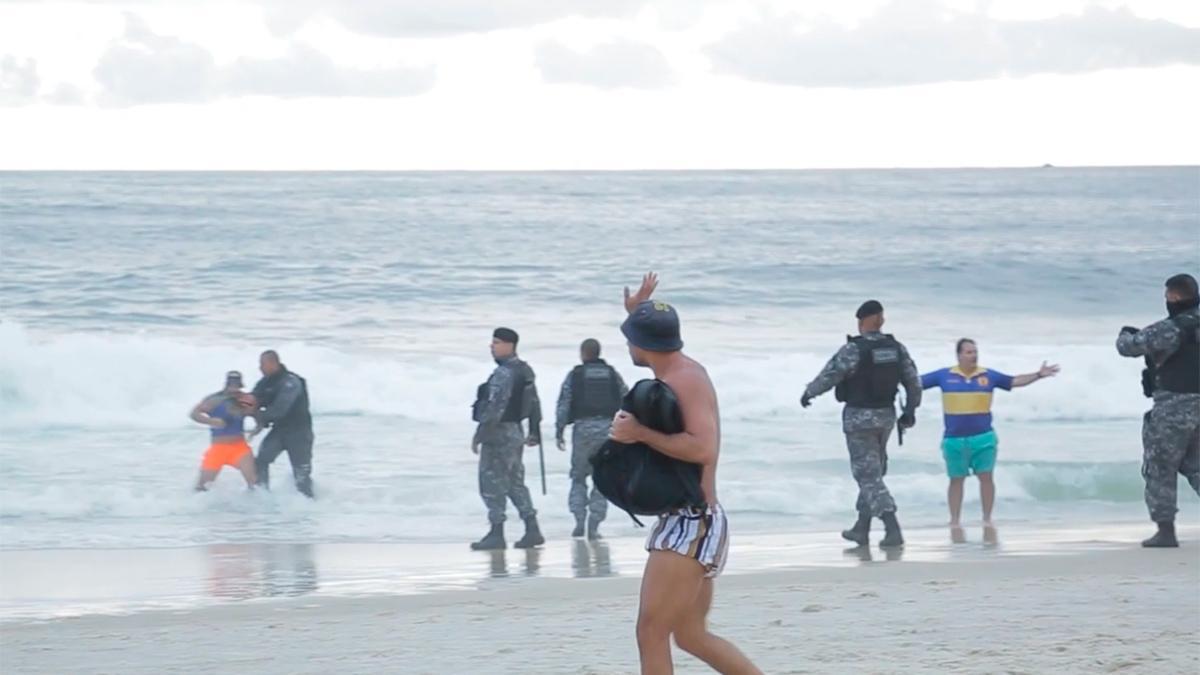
x: 1103, y: 608
x: 51, y: 584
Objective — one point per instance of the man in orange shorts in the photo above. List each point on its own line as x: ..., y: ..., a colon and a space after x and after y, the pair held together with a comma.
x: 225, y: 414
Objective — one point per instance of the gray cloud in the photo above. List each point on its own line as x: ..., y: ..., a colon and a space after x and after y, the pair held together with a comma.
x: 144, y: 67
x: 417, y: 18
x: 19, y: 81
x: 616, y: 64
x: 921, y: 43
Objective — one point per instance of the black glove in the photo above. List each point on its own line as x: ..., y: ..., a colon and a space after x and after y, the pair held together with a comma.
x: 908, y: 420
x: 1129, y: 329
x: 805, y: 400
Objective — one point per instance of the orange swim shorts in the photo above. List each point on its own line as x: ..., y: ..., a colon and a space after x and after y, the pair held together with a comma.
x: 224, y: 451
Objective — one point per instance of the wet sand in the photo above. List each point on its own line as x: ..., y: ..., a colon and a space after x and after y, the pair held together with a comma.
x: 1067, y: 601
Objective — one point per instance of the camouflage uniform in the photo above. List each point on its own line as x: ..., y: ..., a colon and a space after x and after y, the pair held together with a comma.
x: 502, y: 448
x: 867, y: 430
x: 1171, y: 429
x: 587, y: 435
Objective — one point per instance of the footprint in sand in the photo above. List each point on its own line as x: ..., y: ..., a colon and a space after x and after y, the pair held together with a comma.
x: 809, y: 609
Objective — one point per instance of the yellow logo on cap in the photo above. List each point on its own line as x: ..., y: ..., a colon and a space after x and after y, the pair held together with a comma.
x: 661, y: 306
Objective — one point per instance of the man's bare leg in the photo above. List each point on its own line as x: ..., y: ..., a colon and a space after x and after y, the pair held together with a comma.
x: 246, y: 466
x: 954, y: 496
x: 987, y: 495
x: 693, y: 637
x: 206, y: 479
x: 670, y: 586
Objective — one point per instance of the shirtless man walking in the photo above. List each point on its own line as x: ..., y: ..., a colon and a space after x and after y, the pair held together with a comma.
x: 687, y: 547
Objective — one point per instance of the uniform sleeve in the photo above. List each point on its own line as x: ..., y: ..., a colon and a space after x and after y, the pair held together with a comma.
x: 1000, y: 380
x: 934, y: 379
x: 284, y: 400
x: 563, y: 410
x: 621, y: 386
x: 1157, y: 340
x: 840, y: 367
x: 499, y: 389
x: 910, y: 378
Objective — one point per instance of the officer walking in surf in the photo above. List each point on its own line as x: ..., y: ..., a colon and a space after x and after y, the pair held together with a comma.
x: 589, y: 398
x: 867, y: 372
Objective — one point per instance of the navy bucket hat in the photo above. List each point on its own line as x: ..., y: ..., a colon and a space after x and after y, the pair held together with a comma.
x: 653, y: 326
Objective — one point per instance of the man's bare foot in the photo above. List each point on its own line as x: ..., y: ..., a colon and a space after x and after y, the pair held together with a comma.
x: 957, y: 534
x: 990, y: 536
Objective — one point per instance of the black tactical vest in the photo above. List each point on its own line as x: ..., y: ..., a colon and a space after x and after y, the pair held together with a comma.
x: 595, y: 391
x: 520, y: 403
x: 874, y: 382
x: 298, y: 416
x: 1180, y: 373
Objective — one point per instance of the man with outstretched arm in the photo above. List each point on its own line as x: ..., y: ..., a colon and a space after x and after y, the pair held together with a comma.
x: 969, y: 444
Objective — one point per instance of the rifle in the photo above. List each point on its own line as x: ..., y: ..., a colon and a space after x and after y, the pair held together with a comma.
x: 900, y: 427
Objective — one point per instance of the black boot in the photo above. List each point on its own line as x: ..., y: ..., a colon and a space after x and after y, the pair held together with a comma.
x: 860, y: 533
x: 1165, y: 538
x: 578, y: 531
x: 892, y: 537
x: 492, y: 541
x: 533, y: 536
x: 593, y: 528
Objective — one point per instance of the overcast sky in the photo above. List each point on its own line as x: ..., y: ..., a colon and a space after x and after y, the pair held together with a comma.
x: 597, y: 84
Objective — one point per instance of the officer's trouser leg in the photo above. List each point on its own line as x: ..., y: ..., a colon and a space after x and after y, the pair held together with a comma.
x: 518, y: 492
x: 1165, y: 443
x: 493, y: 481
x: 866, y: 465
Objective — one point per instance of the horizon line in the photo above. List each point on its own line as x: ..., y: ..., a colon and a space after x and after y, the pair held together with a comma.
x: 626, y: 170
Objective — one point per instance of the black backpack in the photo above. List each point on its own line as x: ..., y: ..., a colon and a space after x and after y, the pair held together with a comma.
x: 638, y: 479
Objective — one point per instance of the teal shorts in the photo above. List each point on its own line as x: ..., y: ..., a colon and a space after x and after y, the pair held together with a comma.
x: 969, y: 454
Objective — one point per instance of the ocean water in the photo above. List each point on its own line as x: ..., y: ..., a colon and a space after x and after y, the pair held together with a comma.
x: 126, y: 296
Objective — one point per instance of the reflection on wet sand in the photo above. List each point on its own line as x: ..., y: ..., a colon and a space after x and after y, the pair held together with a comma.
x: 498, y: 562
x: 248, y: 571
x: 591, y: 559
x: 866, y: 554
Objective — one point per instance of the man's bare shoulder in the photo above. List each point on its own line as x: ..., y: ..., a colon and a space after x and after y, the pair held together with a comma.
x: 689, y: 377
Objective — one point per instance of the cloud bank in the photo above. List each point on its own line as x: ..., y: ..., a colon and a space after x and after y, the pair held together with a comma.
x: 923, y: 43
x: 143, y: 67
x: 19, y: 81
x: 423, y: 18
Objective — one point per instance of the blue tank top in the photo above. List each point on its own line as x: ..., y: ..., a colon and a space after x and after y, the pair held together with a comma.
x: 234, y: 420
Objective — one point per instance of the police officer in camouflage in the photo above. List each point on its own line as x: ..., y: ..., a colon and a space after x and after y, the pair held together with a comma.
x: 590, y: 396
x: 867, y: 372
x: 1171, y: 430
x: 508, y: 397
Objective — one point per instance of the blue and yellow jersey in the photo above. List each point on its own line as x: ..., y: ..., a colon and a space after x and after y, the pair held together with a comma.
x: 967, y: 401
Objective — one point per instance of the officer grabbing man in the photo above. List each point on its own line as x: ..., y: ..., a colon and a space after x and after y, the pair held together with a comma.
x: 590, y: 397
x: 1171, y: 429
x: 508, y: 397
x: 867, y: 372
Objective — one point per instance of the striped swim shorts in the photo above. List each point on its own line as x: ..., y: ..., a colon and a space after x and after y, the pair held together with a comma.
x: 699, y: 534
